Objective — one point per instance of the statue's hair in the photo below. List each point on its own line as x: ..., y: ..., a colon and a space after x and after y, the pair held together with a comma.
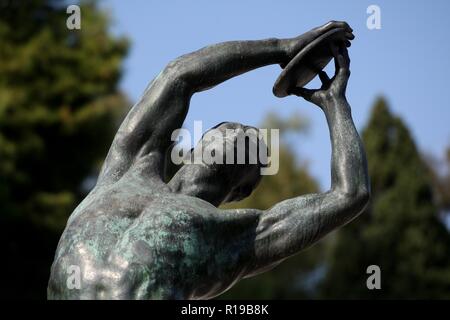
x: 222, y: 181
x: 248, y: 134
x: 242, y: 177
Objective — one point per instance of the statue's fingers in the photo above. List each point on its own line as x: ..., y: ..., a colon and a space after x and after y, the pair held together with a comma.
x: 326, y: 27
x: 346, y: 57
x: 324, y: 77
x: 332, y: 25
x: 349, y: 35
x: 346, y: 26
x: 334, y: 50
x: 342, y: 77
x: 341, y: 57
x: 303, y: 92
x: 340, y: 24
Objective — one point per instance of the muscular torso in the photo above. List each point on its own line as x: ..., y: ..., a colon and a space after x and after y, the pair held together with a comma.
x: 136, y: 240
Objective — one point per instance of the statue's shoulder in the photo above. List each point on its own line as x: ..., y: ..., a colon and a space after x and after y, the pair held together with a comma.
x: 178, y: 211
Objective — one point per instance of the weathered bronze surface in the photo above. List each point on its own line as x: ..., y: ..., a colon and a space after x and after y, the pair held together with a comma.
x: 138, y: 236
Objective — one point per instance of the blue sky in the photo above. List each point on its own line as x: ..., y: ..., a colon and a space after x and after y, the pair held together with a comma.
x: 407, y: 61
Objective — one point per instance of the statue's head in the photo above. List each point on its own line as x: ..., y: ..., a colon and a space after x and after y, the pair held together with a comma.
x: 229, y: 168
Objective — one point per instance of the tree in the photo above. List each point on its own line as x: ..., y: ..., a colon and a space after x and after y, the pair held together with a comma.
x: 440, y: 174
x: 400, y: 231
x: 291, y: 278
x: 59, y: 106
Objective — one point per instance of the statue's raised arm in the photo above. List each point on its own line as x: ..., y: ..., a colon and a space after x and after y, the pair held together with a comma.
x: 295, y: 224
x: 147, y: 129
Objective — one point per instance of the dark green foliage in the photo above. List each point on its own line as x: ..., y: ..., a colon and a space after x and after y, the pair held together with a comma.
x: 59, y: 106
x: 440, y: 174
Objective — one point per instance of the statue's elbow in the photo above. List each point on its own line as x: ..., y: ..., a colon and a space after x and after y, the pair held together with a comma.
x: 178, y: 71
x: 174, y: 67
x: 363, y: 198
x: 357, y: 199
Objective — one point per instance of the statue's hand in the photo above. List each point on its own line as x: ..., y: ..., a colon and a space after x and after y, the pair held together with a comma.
x: 293, y: 45
x: 332, y: 89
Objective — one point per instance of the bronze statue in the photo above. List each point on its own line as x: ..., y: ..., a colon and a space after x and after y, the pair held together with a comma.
x: 138, y: 236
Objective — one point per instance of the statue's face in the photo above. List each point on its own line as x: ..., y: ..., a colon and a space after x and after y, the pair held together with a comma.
x: 222, y: 182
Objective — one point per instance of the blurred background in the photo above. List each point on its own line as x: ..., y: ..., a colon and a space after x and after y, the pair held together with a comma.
x: 64, y: 92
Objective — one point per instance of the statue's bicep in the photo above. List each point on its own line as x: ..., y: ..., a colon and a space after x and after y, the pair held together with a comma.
x: 287, y: 228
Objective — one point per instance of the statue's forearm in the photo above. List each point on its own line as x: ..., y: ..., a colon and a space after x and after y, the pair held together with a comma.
x: 296, y: 223
x: 214, y: 64
x: 348, y: 160
x: 173, y: 88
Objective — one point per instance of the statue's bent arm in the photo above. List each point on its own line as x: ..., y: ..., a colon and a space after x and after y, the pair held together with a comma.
x: 297, y: 223
x: 147, y: 129
x: 294, y: 224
